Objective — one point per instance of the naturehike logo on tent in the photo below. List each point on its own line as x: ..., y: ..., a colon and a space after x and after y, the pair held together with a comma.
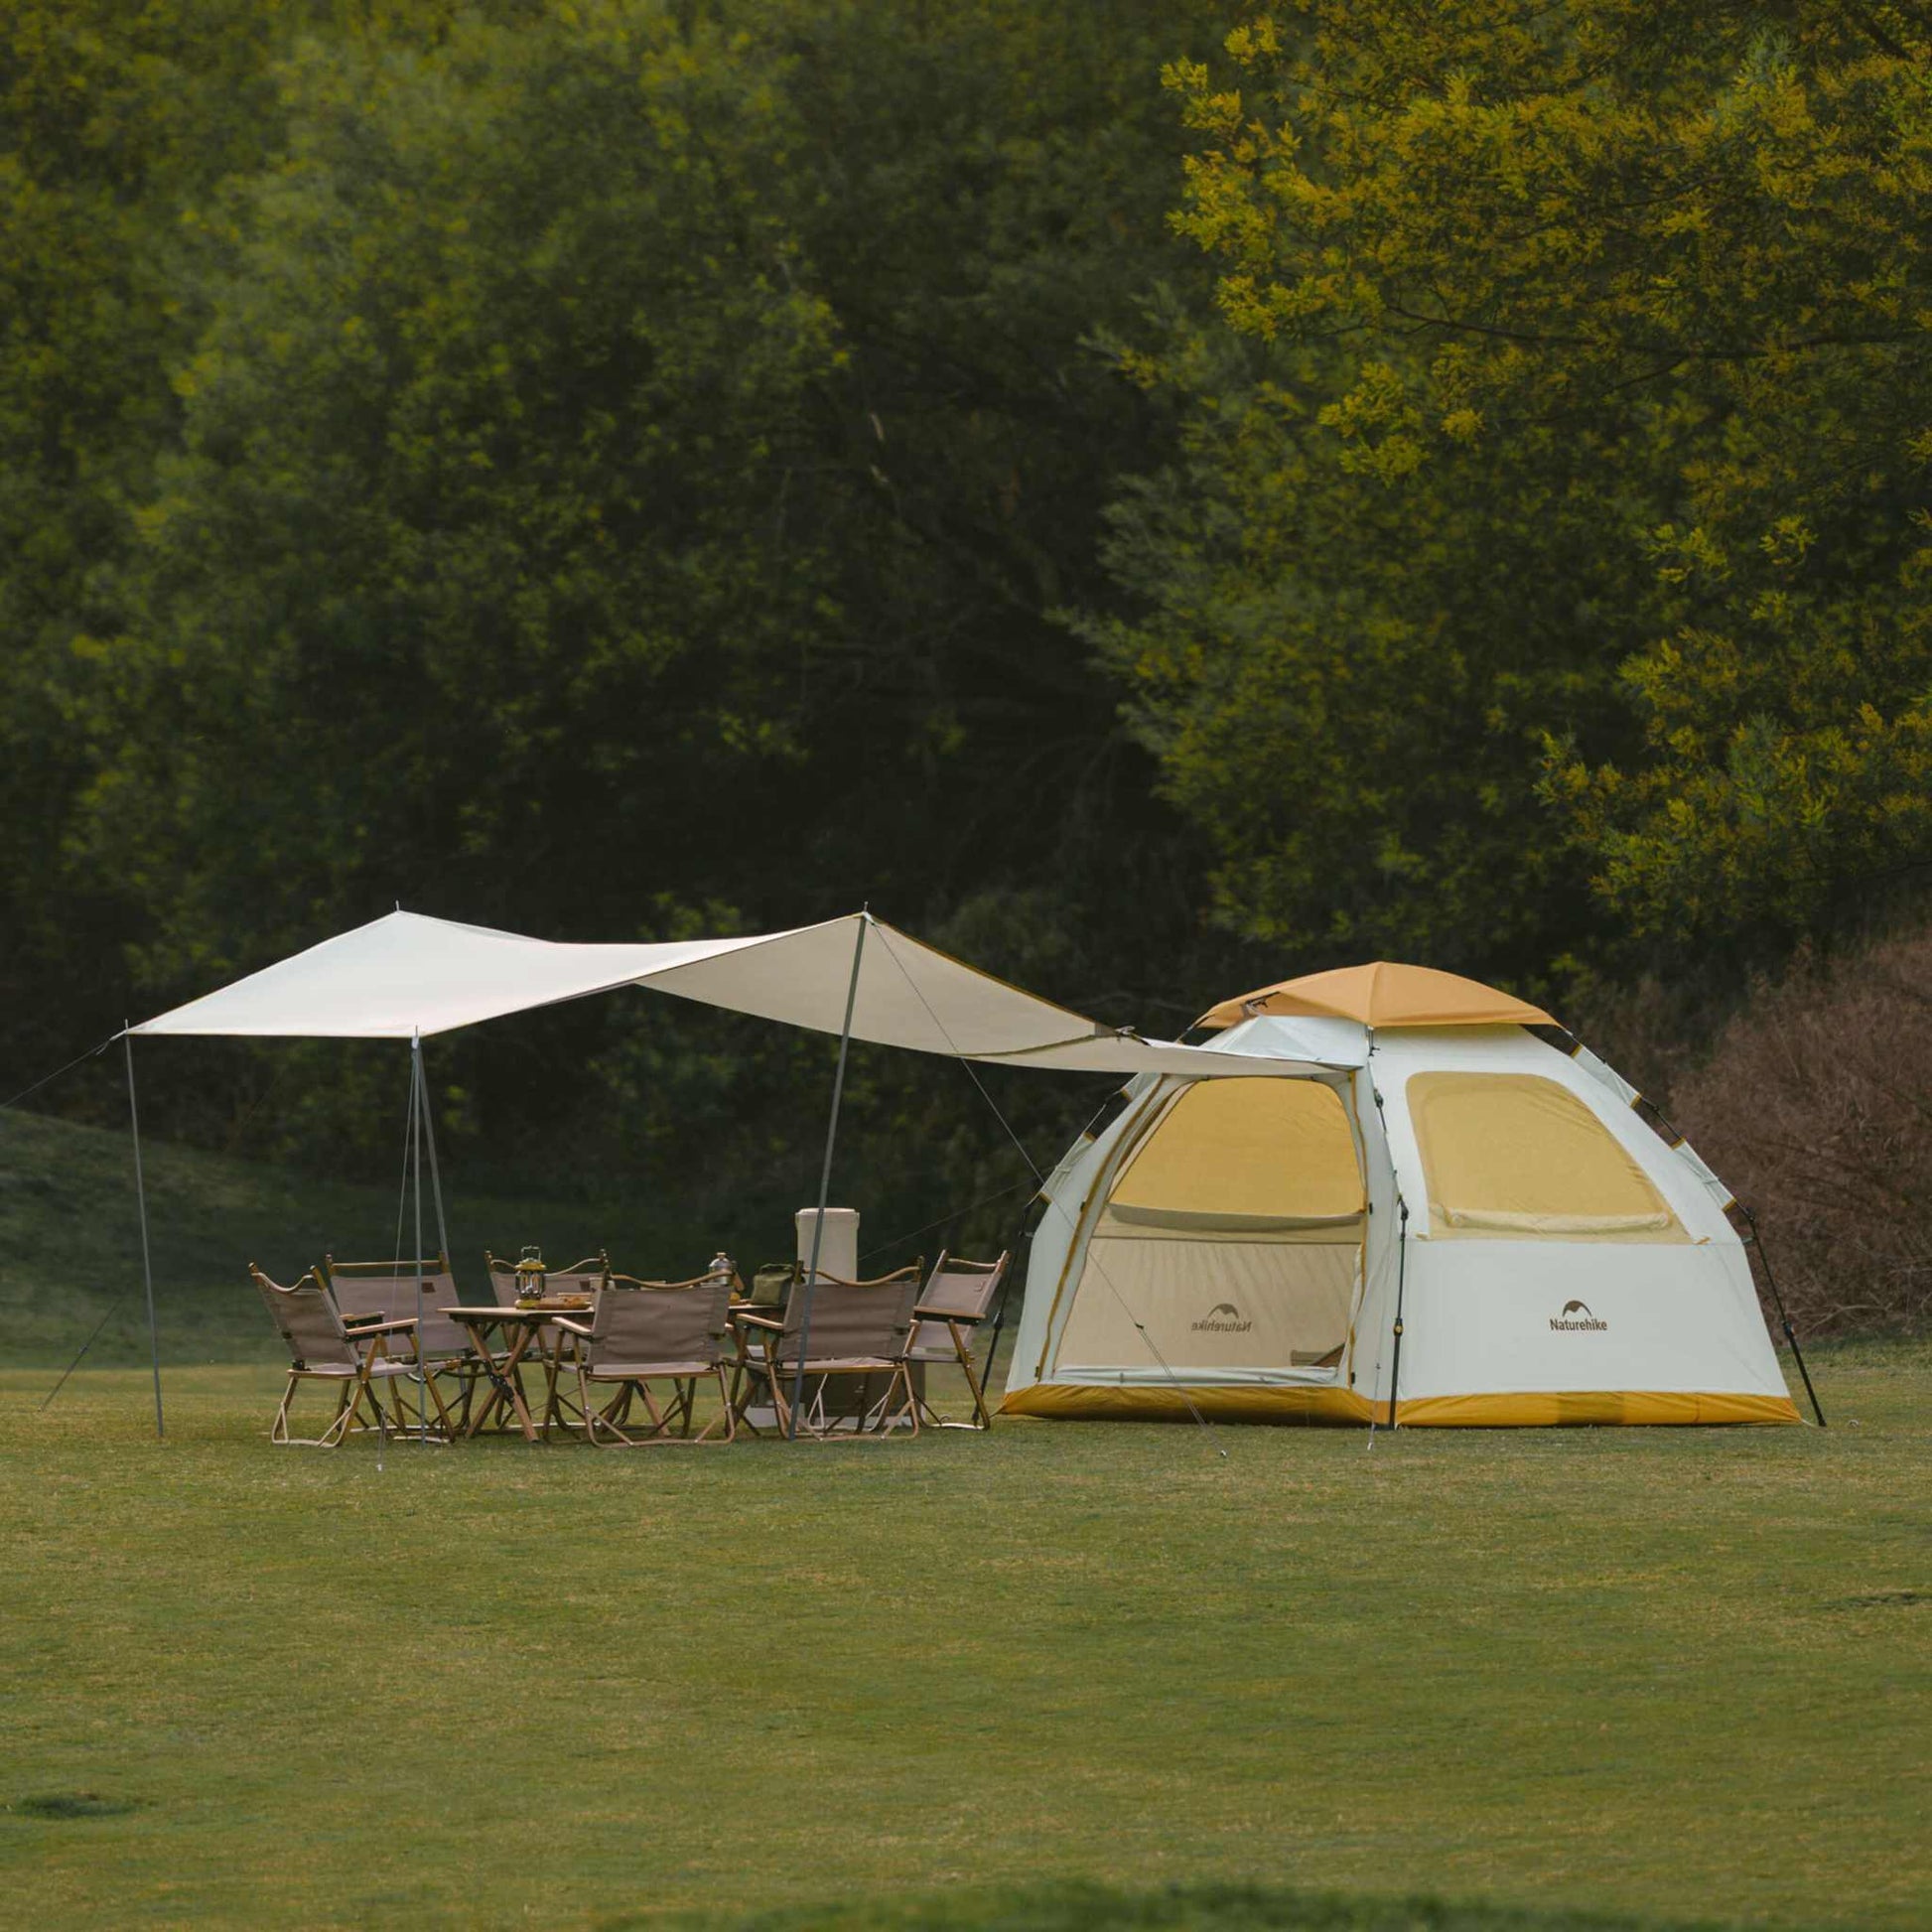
x: 1224, y: 1318
x: 1576, y: 1315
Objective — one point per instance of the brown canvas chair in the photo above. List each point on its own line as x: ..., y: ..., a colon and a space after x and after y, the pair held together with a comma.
x: 959, y: 1296
x: 556, y: 1348
x: 320, y: 1348
x: 858, y: 1328
x: 653, y: 1331
x: 367, y: 1291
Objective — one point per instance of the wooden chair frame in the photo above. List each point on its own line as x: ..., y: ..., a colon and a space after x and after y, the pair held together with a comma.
x: 451, y: 1355
x: 955, y: 1310
x: 684, y: 1374
x: 364, y: 1365
x: 762, y: 1358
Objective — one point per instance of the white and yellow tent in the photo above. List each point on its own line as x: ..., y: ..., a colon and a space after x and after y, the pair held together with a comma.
x: 1445, y: 1220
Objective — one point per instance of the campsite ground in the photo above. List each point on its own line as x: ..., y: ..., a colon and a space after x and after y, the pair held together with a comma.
x: 1677, y: 1674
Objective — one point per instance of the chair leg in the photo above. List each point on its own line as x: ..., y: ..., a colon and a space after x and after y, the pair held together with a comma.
x: 346, y: 1413
x: 593, y: 1415
x: 982, y: 1418
x: 278, y: 1430
x: 443, y: 1422
x: 611, y: 1415
x: 724, y: 1415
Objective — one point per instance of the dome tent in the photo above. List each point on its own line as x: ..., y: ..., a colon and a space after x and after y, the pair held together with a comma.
x: 1446, y: 1220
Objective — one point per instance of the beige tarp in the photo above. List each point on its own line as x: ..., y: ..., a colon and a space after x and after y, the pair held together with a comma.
x: 406, y: 973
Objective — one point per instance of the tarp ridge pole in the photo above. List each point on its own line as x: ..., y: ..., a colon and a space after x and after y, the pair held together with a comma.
x: 147, y: 1259
x: 825, y: 1181
x: 416, y: 1144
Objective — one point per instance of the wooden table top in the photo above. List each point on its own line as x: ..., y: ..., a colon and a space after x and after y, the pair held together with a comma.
x: 497, y: 1311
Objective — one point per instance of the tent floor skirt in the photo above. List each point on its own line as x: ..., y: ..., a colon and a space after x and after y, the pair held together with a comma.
x: 1586, y: 1407
x: 1594, y: 1408
x: 1081, y: 1402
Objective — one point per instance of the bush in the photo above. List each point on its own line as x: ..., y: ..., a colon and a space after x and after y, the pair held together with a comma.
x: 1816, y: 1107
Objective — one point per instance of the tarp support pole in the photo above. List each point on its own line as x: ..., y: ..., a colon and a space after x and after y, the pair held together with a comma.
x: 435, y: 1172
x: 416, y: 1145
x: 147, y: 1260
x: 825, y: 1182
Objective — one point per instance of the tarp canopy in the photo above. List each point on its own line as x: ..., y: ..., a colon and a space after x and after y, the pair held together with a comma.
x: 405, y: 975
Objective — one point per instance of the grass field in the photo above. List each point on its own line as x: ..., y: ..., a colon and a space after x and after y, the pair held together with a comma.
x: 1057, y: 1677
x: 1677, y: 1675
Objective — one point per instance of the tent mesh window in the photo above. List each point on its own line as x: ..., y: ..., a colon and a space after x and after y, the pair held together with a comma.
x: 1233, y: 1236
x: 1514, y: 1156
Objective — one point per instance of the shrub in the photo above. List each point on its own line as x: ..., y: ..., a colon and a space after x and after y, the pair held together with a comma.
x: 1816, y: 1107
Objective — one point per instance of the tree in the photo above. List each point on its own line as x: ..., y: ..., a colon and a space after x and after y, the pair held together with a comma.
x: 1629, y: 303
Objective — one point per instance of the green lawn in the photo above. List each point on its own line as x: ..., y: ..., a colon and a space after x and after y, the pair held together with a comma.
x: 1679, y: 1675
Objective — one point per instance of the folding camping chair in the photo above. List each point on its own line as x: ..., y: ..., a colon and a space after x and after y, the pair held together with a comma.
x: 858, y: 1329
x: 322, y: 1349
x: 653, y: 1331
x: 956, y: 1300
x: 366, y: 1291
x: 582, y: 1281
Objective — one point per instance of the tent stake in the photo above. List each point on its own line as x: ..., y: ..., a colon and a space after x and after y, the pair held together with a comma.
x: 825, y: 1182
x: 147, y: 1261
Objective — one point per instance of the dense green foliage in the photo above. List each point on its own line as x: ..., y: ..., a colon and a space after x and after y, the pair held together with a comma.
x: 1442, y: 484
x: 1563, y: 516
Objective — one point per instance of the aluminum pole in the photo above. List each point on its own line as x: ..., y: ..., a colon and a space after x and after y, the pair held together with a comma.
x: 825, y: 1182
x: 416, y: 1145
x: 435, y: 1172
x: 147, y: 1261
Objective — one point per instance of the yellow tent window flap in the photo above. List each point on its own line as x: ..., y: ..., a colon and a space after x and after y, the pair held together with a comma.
x: 1517, y: 1156
x: 1248, y: 1155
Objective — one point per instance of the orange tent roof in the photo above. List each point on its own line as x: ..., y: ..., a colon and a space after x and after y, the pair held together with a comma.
x: 1384, y: 994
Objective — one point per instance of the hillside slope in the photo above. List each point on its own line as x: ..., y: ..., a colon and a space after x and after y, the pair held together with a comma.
x: 71, y: 1253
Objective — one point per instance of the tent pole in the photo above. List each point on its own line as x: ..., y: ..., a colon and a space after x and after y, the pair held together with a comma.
x: 147, y: 1261
x: 416, y: 1145
x: 1401, y: 1242
x: 825, y: 1182
x: 1401, y: 1274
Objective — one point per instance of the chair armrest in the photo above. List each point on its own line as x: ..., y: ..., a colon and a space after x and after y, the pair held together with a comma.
x: 571, y: 1328
x: 946, y: 1315
x: 756, y: 1321
x: 385, y: 1327
x: 362, y: 1321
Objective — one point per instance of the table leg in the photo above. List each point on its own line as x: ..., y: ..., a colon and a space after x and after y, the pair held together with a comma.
x: 507, y: 1384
